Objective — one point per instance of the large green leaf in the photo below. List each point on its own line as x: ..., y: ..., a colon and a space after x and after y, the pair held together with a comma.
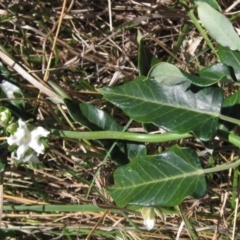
x: 169, y: 75
x: 160, y: 180
x: 230, y: 58
x: 218, y: 26
x: 175, y: 109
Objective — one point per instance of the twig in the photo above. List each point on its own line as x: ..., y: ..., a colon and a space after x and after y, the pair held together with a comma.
x: 232, y: 6
x: 110, y: 14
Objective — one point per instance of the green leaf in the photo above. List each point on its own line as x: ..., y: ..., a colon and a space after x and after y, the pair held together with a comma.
x: 218, y: 26
x: 217, y: 71
x: 175, y: 109
x: 212, y: 3
x: 169, y: 75
x: 161, y: 180
x: 75, y: 112
x: 231, y: 102
x: 91, y: 117
x: 230, y: 108
x: 99, y: 118
x: 135, y: 150
x: 230, y: 58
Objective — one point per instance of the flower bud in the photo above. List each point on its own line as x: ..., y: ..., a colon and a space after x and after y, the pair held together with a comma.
x: 5, y: 116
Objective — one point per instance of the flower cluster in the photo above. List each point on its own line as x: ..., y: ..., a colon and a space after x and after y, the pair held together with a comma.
x: 25, y: 139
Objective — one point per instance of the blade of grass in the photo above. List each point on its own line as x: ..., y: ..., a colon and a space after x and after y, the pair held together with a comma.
x: 191, y: 230
x: 235, y: 187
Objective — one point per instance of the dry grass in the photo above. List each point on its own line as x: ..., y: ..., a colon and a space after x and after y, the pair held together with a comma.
x: 71, y: 44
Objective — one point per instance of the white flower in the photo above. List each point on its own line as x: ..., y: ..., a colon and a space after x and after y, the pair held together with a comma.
x: 149, y: 223
x: 148, y: 215
x: 24, y: 139
x: 9, y: 89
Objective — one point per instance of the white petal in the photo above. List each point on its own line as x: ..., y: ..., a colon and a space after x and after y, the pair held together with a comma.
x: 21, y: 123
x: 39, y: 132
x: 149, y: 223
x: 14, y: 157
x: 21, y: 151
x: 11, y: 140
x: 21, y: 136
x: 35, y: 143
x: 37, y: 146
x: 45, y: 133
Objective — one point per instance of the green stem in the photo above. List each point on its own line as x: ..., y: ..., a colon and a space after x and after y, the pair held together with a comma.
x: 137, y: 137
x: 222, y: 167
x: 235, y: 187
x: 230, y: 137
x: 229, y: 119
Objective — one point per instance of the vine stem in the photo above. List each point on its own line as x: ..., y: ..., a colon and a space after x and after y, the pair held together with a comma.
x: 229, y: 119
x: 222, y: 167
x: 137, y: 137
